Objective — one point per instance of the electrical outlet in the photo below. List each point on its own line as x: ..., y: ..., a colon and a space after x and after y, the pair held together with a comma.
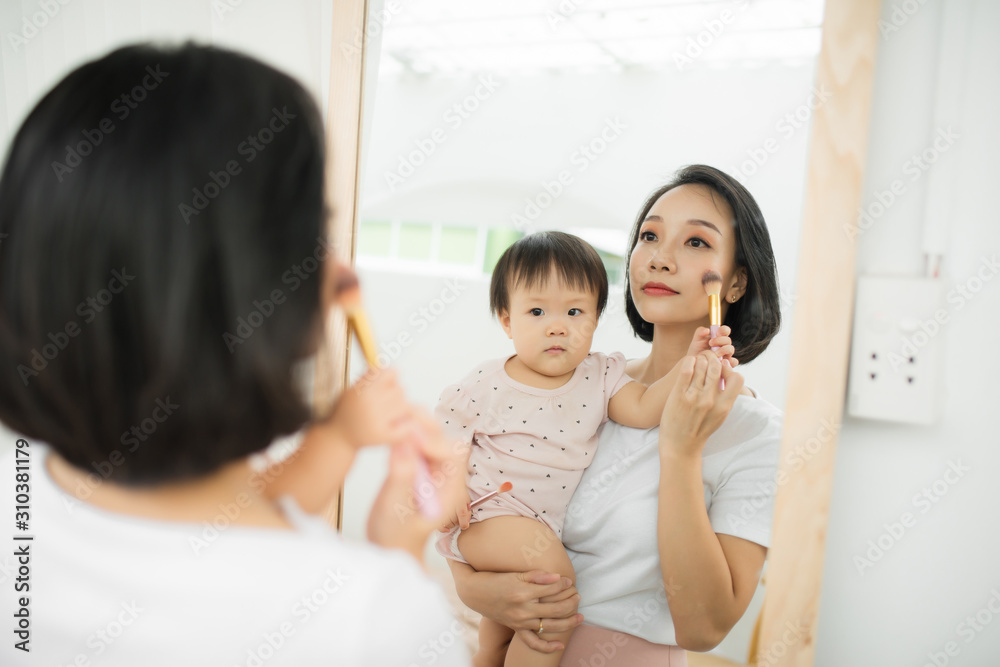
x: 897, y: 349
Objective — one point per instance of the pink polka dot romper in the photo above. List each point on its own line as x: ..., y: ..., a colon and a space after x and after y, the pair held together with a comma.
x: 540, y: 440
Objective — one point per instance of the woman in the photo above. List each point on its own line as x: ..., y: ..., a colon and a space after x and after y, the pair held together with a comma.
x: 668, y: 530
x: 162, y: 275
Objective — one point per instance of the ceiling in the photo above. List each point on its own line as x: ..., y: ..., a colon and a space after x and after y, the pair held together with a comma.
x: 451, y: 37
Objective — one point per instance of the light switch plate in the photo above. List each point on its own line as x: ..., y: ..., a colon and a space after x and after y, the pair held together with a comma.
x: 897, y: 349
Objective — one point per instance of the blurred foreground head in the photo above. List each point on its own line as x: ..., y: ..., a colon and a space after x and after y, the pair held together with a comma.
x: 161, y: 262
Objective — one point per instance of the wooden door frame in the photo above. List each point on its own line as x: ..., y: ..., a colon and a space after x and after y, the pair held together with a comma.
x: 345, y: 104
x: 821, y: 333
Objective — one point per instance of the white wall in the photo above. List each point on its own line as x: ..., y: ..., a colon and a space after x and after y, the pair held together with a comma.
x: 909, y: 604
x: 525, y: 134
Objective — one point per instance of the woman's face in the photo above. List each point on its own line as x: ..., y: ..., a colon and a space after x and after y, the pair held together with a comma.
x: 687, y: 232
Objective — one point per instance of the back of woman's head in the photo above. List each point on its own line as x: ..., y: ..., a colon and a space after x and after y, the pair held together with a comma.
x: 161, y: 264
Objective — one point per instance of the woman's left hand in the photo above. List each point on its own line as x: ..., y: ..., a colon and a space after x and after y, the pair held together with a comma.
x: 696, y: 407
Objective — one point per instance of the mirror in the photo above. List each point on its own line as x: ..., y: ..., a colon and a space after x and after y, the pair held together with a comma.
x: 489, y: 121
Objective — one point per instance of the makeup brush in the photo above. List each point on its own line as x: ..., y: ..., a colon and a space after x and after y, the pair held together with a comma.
x: 349, y: 294
x: 712, y: 282
x: 504, y: 488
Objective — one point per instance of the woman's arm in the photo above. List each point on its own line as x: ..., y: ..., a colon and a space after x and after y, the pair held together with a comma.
x: 519, y: 599
x: 709, y: 578
x: 373, y: 411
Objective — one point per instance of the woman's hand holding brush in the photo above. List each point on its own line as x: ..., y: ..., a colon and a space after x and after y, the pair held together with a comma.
x: 372, y: 411
x: 348, y: 293
x: 396, y: 520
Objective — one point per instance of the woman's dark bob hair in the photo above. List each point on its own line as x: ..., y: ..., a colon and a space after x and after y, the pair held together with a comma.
x: 756, y: 317
x: 162, y: 258
x: 530, y: 260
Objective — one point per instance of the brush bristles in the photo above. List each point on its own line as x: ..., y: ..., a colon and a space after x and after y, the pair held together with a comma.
x: 349, y: 297
x: 712, y: 282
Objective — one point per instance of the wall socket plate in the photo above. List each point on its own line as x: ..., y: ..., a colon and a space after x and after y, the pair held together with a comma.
x: 897, y: 350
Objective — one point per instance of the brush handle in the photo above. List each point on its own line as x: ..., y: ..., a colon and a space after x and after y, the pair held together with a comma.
x: 363, y: 332
x: 423, y: 485
x: 714, y: 331
x: 428, y: 504
x: 483, y: 498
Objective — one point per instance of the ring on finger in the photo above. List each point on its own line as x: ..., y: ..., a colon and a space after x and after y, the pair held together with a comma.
x: 540, y: 628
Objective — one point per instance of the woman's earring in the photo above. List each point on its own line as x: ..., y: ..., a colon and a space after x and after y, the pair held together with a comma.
x: 734, y: 298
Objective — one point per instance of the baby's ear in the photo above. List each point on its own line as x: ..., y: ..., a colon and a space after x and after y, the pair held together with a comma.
x: 504, y: 318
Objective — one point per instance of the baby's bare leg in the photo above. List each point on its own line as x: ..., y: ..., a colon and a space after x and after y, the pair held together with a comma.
x: 493, y: 641
x: 518, y: 544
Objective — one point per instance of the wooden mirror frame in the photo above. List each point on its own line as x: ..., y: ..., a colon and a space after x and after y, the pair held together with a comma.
x: 823, y: 313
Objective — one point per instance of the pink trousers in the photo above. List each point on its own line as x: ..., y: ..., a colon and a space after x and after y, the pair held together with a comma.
x: 591, y: 646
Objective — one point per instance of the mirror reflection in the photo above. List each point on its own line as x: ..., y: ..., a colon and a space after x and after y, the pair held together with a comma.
x: 491, y: 123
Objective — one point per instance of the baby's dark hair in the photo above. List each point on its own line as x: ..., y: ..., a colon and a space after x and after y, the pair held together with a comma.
x: 530, y: 260
x: 152, y: 304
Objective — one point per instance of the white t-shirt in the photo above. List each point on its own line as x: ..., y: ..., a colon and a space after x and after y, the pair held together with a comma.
x: 610, y: 529
x: 114, y: 590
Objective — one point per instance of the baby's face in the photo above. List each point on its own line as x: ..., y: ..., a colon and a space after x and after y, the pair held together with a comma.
x: 552, y: 326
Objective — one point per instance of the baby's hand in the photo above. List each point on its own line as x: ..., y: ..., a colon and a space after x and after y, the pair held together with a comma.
x: 702, y: 341
x: 459, y: 517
